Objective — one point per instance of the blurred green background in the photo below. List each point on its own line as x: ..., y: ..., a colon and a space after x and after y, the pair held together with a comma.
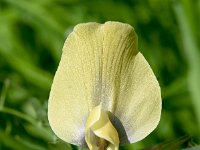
x: 32, y: 33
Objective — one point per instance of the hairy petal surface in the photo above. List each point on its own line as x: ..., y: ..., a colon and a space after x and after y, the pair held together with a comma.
x: 101, y: 64
x: 138, y: 104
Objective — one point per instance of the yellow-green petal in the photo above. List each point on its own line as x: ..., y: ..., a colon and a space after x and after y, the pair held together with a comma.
x: 138, y: 105
x: 101, y: 64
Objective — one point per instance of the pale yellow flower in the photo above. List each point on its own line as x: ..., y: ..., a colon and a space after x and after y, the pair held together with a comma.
x: 104, y: 93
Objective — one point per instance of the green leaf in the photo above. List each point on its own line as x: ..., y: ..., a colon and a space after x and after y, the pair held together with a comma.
x: 171, y: 145
x: 40, y: 132
x: 59, y: 145
x: 3, y: 93
x: 17, y: 143
x: 192, y: 54
x: 193, y: 148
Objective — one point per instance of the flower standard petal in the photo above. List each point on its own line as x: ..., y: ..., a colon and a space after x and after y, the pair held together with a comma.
x: 101, y: 65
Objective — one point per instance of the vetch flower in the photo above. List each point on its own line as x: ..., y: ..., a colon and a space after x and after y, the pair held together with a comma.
x: 104, y: 93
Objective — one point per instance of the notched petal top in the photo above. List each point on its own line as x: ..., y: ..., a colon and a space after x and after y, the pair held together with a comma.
x: 101, y: 67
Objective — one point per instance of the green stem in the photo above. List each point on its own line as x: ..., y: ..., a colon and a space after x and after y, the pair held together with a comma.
x: 192, y: 55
